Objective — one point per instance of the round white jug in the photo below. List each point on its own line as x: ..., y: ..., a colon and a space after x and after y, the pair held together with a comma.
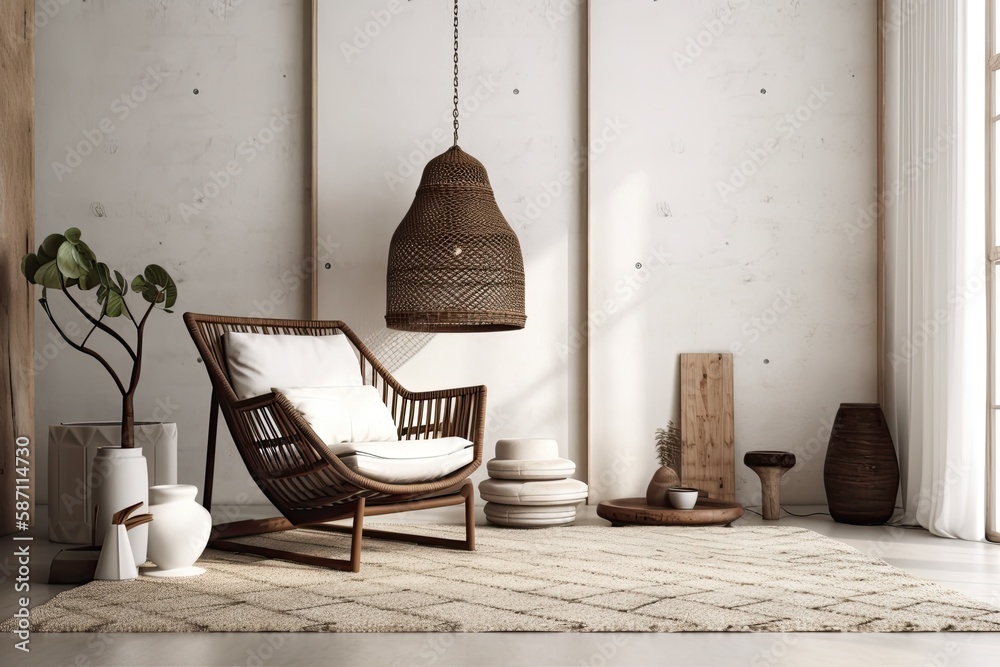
x: 178, y: 532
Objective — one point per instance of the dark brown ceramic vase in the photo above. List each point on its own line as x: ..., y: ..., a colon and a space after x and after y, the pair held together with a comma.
x: 656, y: 492
x: 861, y: 473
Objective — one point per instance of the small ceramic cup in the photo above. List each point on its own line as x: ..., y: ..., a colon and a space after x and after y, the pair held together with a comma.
x: 682, y: 498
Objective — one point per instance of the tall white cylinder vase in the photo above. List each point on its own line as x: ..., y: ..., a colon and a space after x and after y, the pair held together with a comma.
x: 121, y: 480
x: 178, y: 532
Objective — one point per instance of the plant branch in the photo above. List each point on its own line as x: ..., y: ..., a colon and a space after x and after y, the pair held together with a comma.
x: 92, y: 329
x: 137, y: 366
x: 103, y: 327
x: 81, y: 348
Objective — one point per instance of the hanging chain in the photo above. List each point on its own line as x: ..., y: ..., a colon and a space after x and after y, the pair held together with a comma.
x: 454, y: 99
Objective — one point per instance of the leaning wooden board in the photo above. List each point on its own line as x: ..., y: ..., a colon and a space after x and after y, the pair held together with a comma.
x: 708, y: 461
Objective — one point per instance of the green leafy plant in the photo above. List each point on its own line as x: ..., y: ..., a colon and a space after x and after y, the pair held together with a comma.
x: 668, y: 447
x: 64, y: 261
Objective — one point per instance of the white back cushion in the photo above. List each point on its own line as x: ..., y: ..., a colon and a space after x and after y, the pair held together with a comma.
x: 343, y: 414
x: 258, y: 362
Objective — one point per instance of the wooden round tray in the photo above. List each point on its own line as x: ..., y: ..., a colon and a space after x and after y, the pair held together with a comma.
x: 707, y: 512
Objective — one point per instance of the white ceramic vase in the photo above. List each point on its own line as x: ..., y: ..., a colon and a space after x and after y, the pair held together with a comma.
x: 120, y: 479
x: 72, y: 449
x: 178, y: 532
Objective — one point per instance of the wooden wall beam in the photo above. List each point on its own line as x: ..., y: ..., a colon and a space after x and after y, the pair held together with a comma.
x: 879, y: 190
x: 17, y: 231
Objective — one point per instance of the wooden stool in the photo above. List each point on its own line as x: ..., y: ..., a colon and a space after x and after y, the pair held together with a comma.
x: 770, y: 467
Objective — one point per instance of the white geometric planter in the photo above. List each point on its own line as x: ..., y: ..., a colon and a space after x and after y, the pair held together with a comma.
x: 72, y: 448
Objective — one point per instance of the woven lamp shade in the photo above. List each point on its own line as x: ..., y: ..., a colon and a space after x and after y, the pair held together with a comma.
x: 454, y: 263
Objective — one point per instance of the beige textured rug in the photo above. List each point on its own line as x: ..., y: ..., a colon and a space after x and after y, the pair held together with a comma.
x: 569, y: 579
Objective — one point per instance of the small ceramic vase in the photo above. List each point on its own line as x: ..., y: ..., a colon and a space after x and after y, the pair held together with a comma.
x: 179, y: 531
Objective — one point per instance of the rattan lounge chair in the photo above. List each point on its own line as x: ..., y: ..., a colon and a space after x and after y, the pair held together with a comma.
x: 299, y: 474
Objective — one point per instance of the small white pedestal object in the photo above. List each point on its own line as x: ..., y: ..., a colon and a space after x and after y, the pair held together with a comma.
x: 71, y: 478
x: 529, y: 485
x: 178, y: 532
x: 116, y: 562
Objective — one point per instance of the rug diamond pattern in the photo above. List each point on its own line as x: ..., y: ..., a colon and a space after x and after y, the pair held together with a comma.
x: 569, y: 579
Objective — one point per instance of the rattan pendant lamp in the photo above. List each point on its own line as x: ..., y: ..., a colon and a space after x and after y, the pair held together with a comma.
x: 454, y: 263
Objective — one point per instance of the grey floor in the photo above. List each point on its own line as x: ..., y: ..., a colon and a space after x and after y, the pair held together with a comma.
x: 972, y: 568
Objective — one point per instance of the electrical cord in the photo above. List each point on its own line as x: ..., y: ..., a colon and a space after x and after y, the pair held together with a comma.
x: 789, y: 513
x: 805, y: 515
x: 877, y: 525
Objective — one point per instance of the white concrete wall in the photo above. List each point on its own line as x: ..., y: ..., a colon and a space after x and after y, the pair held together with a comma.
x: 743, y: 148
x: 687, y: 128
x: 151, y: 150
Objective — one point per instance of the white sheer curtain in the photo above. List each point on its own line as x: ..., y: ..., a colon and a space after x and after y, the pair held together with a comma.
x: 935, y: 156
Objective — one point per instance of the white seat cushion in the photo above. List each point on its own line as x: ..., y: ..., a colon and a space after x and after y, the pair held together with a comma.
x: 530, y: 516
x: 406, y: 461
x: 343, y: 414
x: 552, y: 492
x: 257, y: 362
x: 530, y: 469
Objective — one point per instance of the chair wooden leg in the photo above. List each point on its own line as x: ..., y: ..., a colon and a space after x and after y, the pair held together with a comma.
x: 213, y: 429
x: 469, y: 491
x: 224, y: 533
x: 280, y: 554
x: 357, y: 535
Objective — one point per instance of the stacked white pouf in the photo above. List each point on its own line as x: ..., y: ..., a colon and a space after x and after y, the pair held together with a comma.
x: 529, y: 485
